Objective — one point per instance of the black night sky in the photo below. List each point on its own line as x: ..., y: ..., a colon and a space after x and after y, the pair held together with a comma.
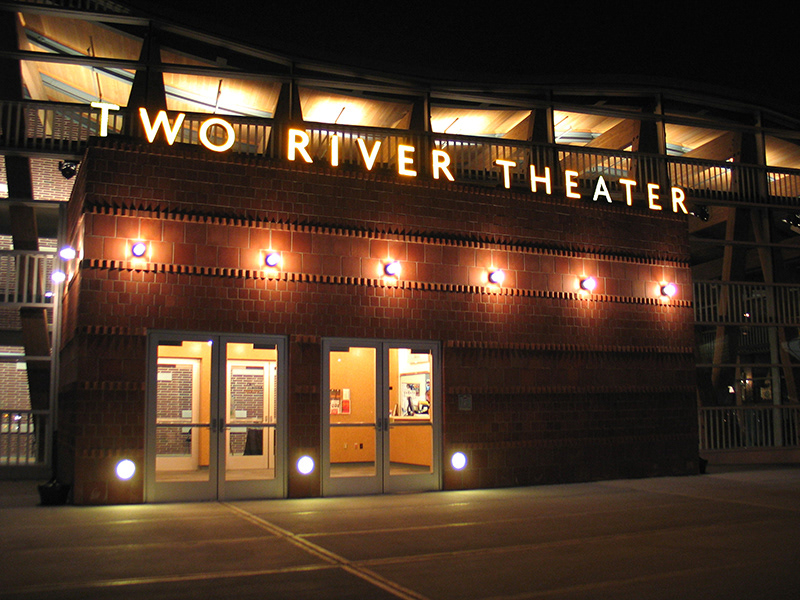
x: 711, y: 46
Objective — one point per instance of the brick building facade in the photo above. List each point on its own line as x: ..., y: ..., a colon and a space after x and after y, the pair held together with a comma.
x: 539, y: 381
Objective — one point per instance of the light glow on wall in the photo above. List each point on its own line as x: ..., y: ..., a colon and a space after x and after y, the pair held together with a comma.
x: 125, y: 469
x: 272, y: 259
x: 497, y: 276
x: 392, y: 268
x: 139, y: 249
x: 668, y: 290
x: 458, y: 460
x: 588, y: 284
x: 68, y: 253
x: 305, y: 465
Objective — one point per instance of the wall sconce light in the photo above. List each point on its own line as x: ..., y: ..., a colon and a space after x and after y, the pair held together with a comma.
x: 125, y: 469
x: 305, y: 465
x: 458, y: 460
x: 497, y: 276
x: 58, y: 277
x: 139, y: 249
x: 392, y: 268
x: 67, y: 253
x: 272, y: 259
x: 588, y: 284
x: 701, y: 212
x: 668, y: 290
x: 68, y: 168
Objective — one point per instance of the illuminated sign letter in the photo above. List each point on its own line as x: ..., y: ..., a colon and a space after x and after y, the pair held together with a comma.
x: 545, y: 179
x: 369, y: 157
x: 601, y: 189
x: 298, y: 140
x: 161, y: 121
x: 403, y: 160
x: 506, y: 164
x: 570, y: 184
x: 678, y: 196
x: 335, y: 150
x: 203, y: 133
x: 441, y: 160
x: 652, y: 188
x: 104, y: 108
x: 628, y: 183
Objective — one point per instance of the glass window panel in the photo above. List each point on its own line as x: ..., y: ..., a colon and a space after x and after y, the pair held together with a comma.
x: 183, y: 395
x: 410, y: 412
x: 352, y: 412
x: 251, y: 398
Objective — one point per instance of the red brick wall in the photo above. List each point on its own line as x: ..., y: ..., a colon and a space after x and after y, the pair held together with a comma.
x: 565, y: 387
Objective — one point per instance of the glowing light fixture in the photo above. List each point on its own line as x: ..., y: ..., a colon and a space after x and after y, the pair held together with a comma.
x: 273, y: 259
x: 68, y: 253
x: 497, y: 276
x: 588, y: 284
x: 125, y: 469
x: 139, y: 249
x: 392, y: 268
x: 305, y: 465
x: 668, y: 290
x: 458, y: 460
x: 58, y: 277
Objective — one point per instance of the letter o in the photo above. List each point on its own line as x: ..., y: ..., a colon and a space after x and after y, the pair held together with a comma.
x: 228, y: 130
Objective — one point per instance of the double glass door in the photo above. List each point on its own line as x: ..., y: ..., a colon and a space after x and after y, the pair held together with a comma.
x: 381, y: 414
x: 215, y: 417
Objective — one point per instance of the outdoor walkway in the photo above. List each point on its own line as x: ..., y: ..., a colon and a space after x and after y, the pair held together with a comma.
x: 728, y: 535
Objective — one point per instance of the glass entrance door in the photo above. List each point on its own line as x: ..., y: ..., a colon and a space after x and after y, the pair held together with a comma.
x: 380, y: 413
x: 214, y: 417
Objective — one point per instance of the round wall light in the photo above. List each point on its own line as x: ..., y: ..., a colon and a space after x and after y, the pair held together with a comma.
x: 392, y: 268
x: 68, y: 253
x: 272, y: 259
x: 58, y: 277
x: 458, y: 460
x: 588, y: 284
x: 125, y: 469
x: 668, y: 290
x: 305, y: 465
x: 497, y: 276
x: 139, y: 249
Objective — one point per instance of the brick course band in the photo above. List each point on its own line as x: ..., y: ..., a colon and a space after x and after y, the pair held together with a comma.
x: 587, y: 252
x: 119, y: 265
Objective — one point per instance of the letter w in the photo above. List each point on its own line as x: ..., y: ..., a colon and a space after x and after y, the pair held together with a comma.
x: 150, y: 130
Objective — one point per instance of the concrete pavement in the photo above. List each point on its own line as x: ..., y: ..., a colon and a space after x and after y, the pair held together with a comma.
x: 732, y: 534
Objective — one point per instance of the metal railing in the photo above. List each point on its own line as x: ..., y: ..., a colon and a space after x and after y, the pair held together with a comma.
x: 730, y: 428
x: 746, y: 303
x: 66, y: 128
x: 25, y: 277
x: 23, y: 437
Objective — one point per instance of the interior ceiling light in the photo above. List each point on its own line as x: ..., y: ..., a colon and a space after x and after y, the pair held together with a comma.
x: 588, y: 284
x: 392, y: 268
x: 668, y: 290
x: 139, y: 249
x: 497, y: 276
x: 273, y: 259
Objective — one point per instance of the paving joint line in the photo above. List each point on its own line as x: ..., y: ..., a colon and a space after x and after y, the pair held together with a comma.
x: 352, y: 567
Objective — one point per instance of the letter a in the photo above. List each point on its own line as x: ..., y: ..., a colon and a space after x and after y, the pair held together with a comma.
x: 601, y: 189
